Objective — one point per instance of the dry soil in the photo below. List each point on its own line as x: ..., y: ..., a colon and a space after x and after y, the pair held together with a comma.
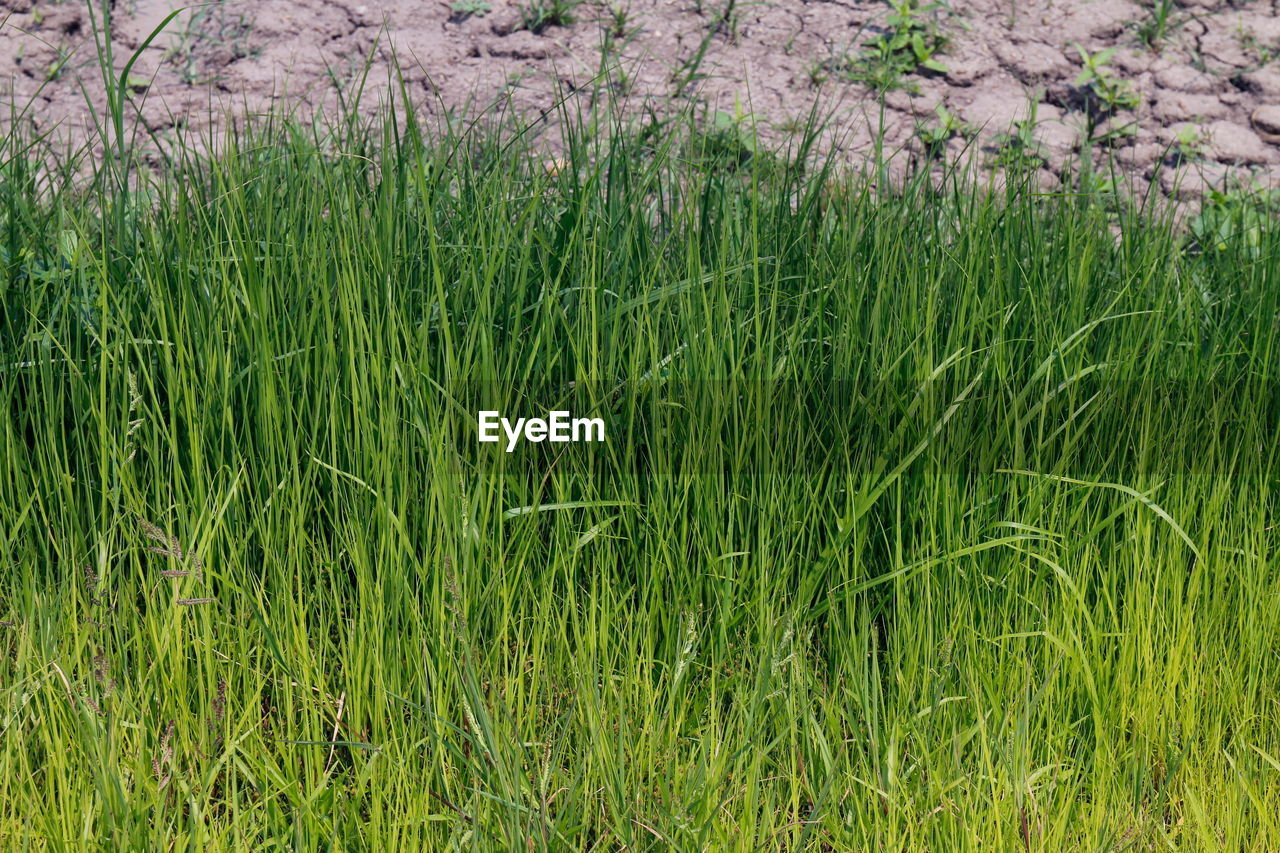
x: 1206, y: 106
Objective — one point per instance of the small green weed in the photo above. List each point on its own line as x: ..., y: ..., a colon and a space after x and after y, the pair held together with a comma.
x: 729, y: 140
x: 935, y: 134
x: 1234, y: 218
x: 1263, y: 52
x: 1104, y: 94
x: 1018, y: 149
x: 1188, y: 144
x: 58, y: 66
x: 209, y: 26
x: 463, y: 9
x: 618, y: 18
x: 540, y: 15
x: 912, y: 40
x: 1156, y: 27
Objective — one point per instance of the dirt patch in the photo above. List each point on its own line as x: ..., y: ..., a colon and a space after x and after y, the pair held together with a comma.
x: 1184, y: 95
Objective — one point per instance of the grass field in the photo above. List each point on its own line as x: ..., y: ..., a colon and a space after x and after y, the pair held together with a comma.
x: 927, y: 520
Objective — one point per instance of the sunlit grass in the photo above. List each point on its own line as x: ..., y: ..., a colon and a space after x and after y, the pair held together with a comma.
x: 926, y: 520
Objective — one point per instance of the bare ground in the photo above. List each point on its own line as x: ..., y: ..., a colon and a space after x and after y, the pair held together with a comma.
x: 1199, y: 100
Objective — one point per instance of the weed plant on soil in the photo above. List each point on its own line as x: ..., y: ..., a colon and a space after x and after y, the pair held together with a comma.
x: 928, y: 519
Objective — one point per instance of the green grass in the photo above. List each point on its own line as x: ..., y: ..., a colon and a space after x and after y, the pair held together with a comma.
x: 928, y: 520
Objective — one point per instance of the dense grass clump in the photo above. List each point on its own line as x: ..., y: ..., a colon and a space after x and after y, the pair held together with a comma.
x: 926, y: 520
